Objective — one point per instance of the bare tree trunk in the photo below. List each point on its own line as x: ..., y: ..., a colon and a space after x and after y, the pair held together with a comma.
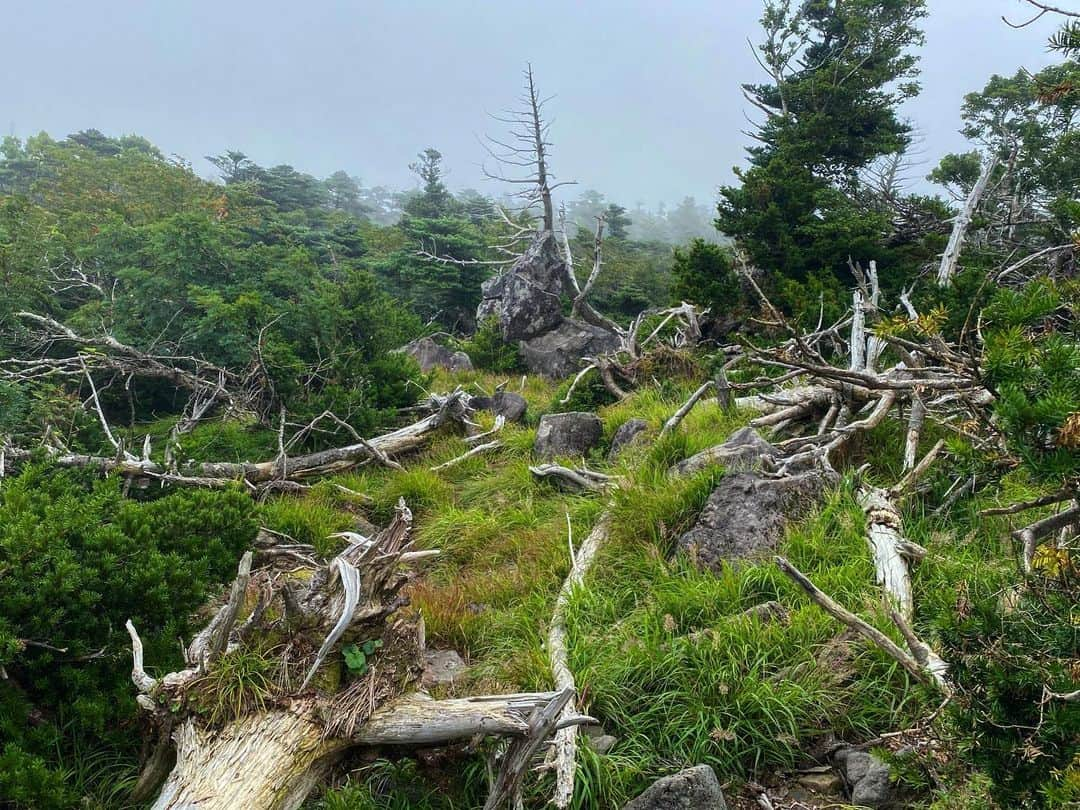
x: 951, y: 256
x: 883, y: 533
x: 264, y: 761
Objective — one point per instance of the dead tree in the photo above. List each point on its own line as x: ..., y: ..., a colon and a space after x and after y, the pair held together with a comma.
x: 522, y: 158
x: 951, y: 256
x: 340, y: 662
x: 281, y: 472
x: 206, y: 382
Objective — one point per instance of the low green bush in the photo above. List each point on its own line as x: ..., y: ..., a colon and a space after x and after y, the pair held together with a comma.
x: 77, y: 560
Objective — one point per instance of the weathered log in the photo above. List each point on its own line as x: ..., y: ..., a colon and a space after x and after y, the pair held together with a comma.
x: 272, y: 753
x: 273, y: 760
x: 883, y: 523
x: 451, y: 407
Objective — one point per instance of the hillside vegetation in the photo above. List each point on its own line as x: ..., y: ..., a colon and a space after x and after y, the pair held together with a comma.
x: 274, y: 448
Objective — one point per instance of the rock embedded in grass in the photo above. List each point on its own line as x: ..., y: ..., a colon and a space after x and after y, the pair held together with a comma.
x: 557, y: 353
x: 509, y: 405
x: 431, y: 355
x: 628, y: 433
x: 742, y: 451
x: 695, y: 788
x: 567, y: 434
x: 868, y: 777
x: 747, y: 513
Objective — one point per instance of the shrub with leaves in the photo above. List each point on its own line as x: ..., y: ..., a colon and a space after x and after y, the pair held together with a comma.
x: 77, y: 560
x: 1033, y: 365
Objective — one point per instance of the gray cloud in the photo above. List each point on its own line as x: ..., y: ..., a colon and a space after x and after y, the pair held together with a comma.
x: 647, y: 104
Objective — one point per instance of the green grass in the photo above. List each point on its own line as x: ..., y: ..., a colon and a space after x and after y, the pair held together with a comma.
x: 663, y: 653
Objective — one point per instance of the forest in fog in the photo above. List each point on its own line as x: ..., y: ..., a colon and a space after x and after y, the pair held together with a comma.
x: 328, y: 495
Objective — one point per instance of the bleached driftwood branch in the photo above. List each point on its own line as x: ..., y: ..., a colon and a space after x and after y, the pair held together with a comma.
x: 883, y: 525
x: 580, y: 477
x: 565, y: 746
x: 448, y: 408
x: 924, y: 673
x: 951, y: 256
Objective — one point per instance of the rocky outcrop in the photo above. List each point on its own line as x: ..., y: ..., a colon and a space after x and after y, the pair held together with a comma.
x: 693, y: 789
x: 526, y: 298
x: 527, y: 303
x: 628, y: 432
x: 557, y: 353
x: 431, y: 355
x: 510, y: 406
x: 868, y: 778
x: 567, y: 434
x: 747, y: 513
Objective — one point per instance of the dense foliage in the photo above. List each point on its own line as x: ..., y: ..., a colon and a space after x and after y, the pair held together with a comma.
x: 301, y: 287
x: 821, y: 188
x: 77, y: 560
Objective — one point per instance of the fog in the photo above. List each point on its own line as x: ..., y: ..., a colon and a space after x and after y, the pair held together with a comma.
x: 646, y: 103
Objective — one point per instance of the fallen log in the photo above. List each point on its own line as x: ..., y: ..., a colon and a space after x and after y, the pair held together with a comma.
x: 883, y: 525
x: 448, y: 408
x: 270, y: 752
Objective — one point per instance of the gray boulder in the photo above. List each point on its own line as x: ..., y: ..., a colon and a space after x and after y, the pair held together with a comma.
x: 526, y: 299
x: 695, y: 788
x: 558, y: 351
x: 868, y: 777
x: 743, y: 450
x: 442, y: 666
x: 627, y: 433
x: 431, y: 355
x: 747, y: 513
x: 567, y: 434
x: 503, y: 403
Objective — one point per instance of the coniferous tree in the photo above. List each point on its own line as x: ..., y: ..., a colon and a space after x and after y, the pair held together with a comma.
x: 838, y: 73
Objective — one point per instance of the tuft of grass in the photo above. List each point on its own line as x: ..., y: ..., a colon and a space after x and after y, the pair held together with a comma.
x: 309, y: 519
x: 239, y: 683
x: 663, y: 652
x: 669, y: 662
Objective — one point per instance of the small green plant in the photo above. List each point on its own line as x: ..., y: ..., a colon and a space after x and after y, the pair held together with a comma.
x: 239, y: 683
x: 488, y: 351
x: 357, y: 655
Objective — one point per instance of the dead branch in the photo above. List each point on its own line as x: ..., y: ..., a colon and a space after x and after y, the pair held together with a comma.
x: 687, y: 406
x: 920, y: 672
x: 1031, y: 535
x: 473, y: 451
x: 580, y: 478
x: 951, y: 256
x: 565, y: 745
x: 445, y: 408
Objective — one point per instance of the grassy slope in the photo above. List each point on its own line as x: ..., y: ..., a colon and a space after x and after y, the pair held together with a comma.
x: 744, y: 696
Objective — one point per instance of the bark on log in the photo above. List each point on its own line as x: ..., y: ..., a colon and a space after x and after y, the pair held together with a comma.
x: 272, y: 761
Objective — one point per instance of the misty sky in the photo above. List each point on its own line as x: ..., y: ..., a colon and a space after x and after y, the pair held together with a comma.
x: 647, y: 104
